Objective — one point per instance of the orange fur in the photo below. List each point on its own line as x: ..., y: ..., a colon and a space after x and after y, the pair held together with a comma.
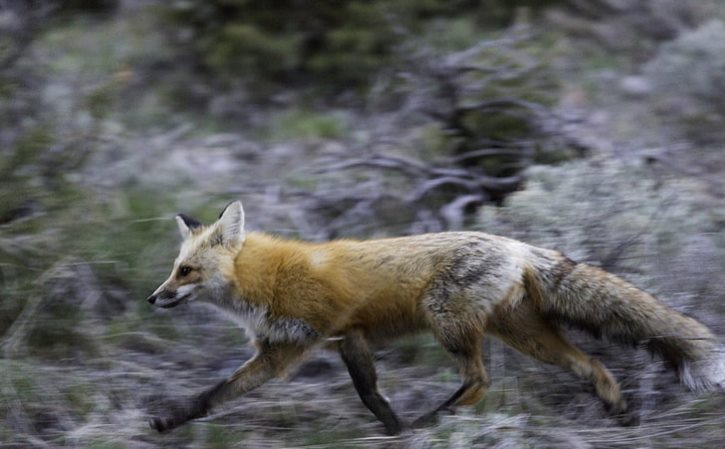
x: 346, y: 288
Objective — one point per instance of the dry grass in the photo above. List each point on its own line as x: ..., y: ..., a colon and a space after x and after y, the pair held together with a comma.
x: 104, y: 400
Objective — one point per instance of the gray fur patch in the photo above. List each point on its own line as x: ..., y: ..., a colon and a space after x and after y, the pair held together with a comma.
x: 473, y: 279
x: 473, y: 263
x: 290, y: 329
x: 258, y: 324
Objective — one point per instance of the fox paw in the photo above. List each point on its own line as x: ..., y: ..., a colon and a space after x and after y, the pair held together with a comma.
x: 627, y: 419
x: 624, y: 415
x: 394, y: 429
x: 426, y: 420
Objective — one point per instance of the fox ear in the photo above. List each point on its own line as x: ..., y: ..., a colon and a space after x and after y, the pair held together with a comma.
x: 186, y: 224
x: 231, y: 224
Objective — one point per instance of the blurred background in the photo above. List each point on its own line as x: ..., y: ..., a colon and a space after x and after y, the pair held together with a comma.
x: 596, y: 127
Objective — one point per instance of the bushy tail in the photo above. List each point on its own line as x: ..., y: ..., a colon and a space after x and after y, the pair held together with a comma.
x: 602, y: 303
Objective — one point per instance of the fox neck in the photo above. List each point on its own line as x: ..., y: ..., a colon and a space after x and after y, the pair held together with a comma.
x: 253, y: 279
x: 254, y: 272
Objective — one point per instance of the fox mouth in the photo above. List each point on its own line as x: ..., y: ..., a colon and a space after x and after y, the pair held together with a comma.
x: 176, y: 302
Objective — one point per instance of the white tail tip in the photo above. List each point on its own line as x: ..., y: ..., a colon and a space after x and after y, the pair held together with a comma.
x: 707, y: 374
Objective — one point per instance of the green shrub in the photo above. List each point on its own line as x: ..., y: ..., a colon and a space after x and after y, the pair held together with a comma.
x: 492, y: 101
x: 284, y: 40
x: 89, y: 6
x: 671, y: 70
x: 689, y: 77
x: 341, y: 44
x: 304, y: 124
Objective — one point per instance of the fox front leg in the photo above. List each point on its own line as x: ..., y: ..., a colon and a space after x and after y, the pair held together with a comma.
x: 269, y: 361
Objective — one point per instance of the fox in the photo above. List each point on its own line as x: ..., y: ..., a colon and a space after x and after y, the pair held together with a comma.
x: 292, y: 296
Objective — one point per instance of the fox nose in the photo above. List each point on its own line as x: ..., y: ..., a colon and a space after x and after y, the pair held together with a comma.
x: 151, y: 299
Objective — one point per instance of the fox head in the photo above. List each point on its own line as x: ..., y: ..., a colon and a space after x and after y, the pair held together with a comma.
x: 207, y: 253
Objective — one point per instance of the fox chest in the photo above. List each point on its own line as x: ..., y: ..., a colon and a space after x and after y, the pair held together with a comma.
x: 259, y: 323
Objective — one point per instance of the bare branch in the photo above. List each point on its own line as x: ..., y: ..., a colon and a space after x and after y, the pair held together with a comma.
x: 453, y: 212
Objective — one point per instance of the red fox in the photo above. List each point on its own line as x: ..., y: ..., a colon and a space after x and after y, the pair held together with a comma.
x: 291, y: 296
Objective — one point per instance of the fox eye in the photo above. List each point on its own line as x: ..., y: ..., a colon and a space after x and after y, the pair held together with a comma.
x: 184, y: 270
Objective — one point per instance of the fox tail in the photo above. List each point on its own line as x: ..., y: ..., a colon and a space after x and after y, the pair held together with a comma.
x: 601, y: 303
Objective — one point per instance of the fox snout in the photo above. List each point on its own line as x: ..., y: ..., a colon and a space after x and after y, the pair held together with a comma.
x: 168, y: 297
x: 163, y: 294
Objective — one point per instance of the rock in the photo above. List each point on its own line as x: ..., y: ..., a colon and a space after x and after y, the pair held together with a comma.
x: 635, y: 86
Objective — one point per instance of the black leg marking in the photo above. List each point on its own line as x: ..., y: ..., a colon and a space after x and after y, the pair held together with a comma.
x: 465, y: 347
x: 270, y: 360
x: 359, y: 361
x: 196, y: 407
x: 447, y: 406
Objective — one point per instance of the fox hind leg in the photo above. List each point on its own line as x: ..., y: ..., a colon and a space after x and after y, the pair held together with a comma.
x: 527, y: 331
x: 463, y: 342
